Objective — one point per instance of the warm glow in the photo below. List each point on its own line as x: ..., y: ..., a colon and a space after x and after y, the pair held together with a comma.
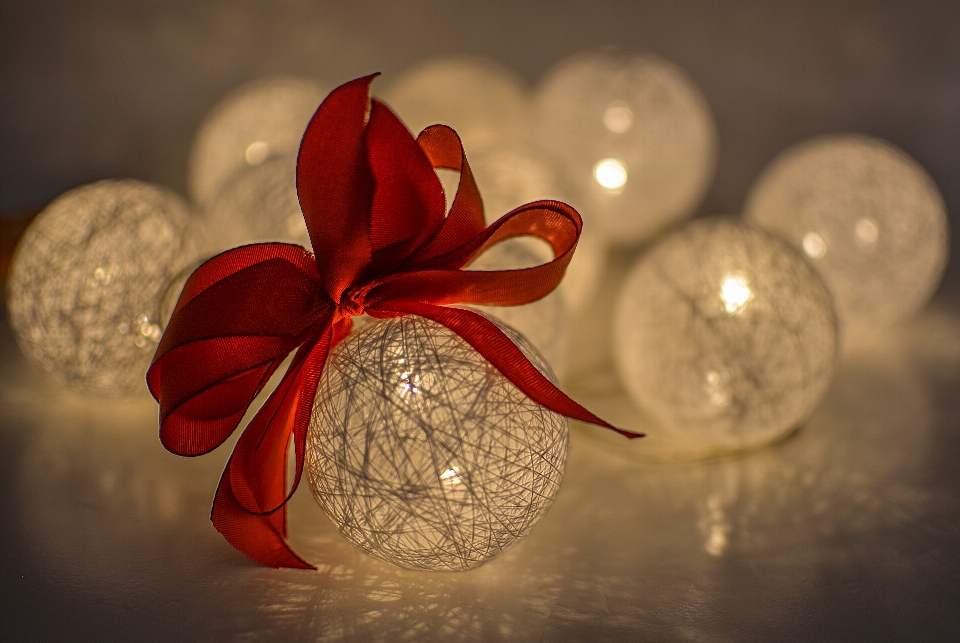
x: 610, y: 173
x: 735, y: 293
x: 814, y: 245
x: 617, y: 117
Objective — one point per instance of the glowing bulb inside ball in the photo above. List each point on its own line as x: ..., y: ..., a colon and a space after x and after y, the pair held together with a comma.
x: 726, y: 335
x: 88, y: 280
x: 814, y: 245
x: 610, y: 174
x: 868, y: 214
x: 425, y: 455
x: 257, y: 152
x: 735, y: 293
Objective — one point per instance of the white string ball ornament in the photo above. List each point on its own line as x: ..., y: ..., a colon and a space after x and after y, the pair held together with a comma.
x: 511, y: 175
x: 484, y: 102
x: 256, y: 122
x: 726, y: 335
x: 426, y: 456
x: 635, y: 136
x: 869, y: 217
x: 258, y: 204
x: 88, y: 278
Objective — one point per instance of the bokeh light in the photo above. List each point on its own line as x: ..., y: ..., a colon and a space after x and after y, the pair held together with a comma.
x: 258, y: 204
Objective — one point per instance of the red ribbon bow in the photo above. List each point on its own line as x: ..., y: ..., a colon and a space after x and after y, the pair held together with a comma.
x: 374, y: 208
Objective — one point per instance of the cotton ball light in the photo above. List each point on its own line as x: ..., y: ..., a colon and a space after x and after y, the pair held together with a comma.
x: 635, y: 136
x: 258, y: 204
x: 88, y: 278
x: 481, y: 100
x: 868, y: 215
x: 726, y: 335
x: 511, y: 175
x: 256, y: 122
x: 544, y: 322
x: 423, y: 454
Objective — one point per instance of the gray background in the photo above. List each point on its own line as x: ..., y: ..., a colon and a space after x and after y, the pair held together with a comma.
x: 97, y: 89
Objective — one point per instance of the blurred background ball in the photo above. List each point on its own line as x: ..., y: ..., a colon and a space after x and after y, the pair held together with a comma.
x: 543, y: 322
x: 868, y: 216
x: 511, y: 175
x: 88, y: 278
x: 425, y: 455
x: 725, y: 334
x: 635, y: 137
x: 484, y: 102
x: 256, y: 122
x: 258, y: 204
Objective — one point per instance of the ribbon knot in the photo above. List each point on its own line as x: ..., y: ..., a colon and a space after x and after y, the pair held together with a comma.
x: 352, y: 302
x: 373, y: 205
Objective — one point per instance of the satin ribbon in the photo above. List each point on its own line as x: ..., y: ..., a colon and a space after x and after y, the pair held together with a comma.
x: 383, y: 246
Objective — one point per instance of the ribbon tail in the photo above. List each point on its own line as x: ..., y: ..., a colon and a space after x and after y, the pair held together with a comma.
x: 499, y: 350
x: 249, y: 509
x: 261, y: 537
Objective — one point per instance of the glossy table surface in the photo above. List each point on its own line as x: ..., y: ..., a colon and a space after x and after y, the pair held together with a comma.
x: 849, y: 530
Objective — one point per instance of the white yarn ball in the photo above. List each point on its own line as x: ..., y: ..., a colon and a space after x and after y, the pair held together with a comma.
x: 867, y: 214
x: 256, y: 122
x: 258, y: 204
x: 425, y: 455
x: 635, y: 136
x: 484, y: 102
x: 725, y: 334
x: 88, y: 279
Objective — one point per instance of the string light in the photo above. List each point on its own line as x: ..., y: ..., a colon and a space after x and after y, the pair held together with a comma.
x: 88, y: 280
x: 726, y: 335
x: 869, y: 216
x: 635, y: 138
